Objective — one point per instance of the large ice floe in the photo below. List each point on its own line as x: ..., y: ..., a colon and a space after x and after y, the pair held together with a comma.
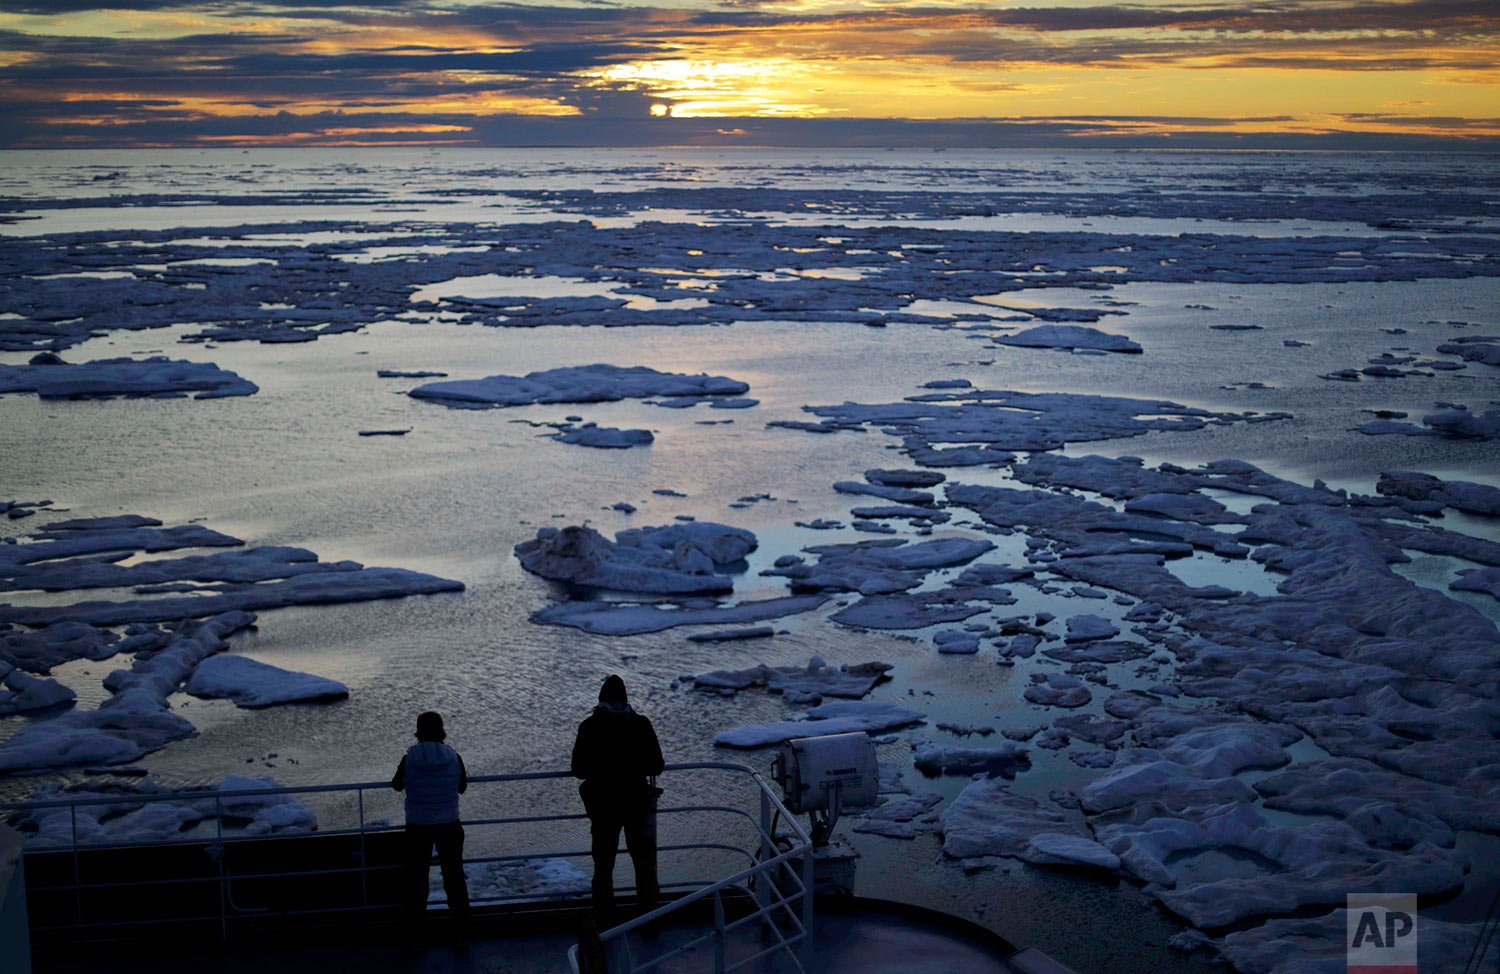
x: 287, y: 290
x: 251, y: 683
x: 672, y: 559
x: 580, y: 383
x: 797, y: 684
x: 252, y: 579
x: 1069, y: 337
x: 137, y: 718
x: 121, y: 815
x: 838, y: 717
x: 987, y: 425
x: 157, y: 376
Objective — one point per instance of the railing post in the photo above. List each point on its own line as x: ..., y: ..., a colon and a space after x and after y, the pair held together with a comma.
x: 766, y: 879
x: 718, y: 934
x: 807, y: 907
x: 364, y: 859
x: 219, y: 860
x: 77, y: 877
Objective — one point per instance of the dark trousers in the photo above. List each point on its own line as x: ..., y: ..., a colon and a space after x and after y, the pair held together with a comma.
x: 635, y: 816
x: 449, y: 839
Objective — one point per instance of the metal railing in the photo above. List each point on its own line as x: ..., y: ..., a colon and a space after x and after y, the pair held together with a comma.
x: 781, y: 893
x: 778, y: 885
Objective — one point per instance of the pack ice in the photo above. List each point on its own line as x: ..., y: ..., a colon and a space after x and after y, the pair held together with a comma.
x: 157, y: 376
x: 579, y: 383
x: 674, y: 559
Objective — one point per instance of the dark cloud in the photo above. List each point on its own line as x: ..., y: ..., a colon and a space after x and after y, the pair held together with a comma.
x: 381, y: 57
x: 527, y: 130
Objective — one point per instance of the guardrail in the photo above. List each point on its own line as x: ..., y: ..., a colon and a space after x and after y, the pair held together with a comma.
x: 780, y: 891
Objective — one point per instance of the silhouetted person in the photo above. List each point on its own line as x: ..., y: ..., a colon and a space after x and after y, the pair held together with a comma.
x: 615, y: 752
x: 433, y: 776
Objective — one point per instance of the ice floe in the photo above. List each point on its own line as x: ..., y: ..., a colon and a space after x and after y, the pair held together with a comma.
x: 157, y: 376
x: 1281, y: 868
x: 1003, y: 760
x: 799, y: 684
x: 23, y: 693
x: 672, y: 559
x: 580, y: 383
x: 996, y: 422
x: 1320, y: 945
x: 877, y: 567
x: 603, y: 437
x: 635, y: 618
x: 119, y: 816
x: 136, y: 719
x: 988, y: 819
x: 1070, y: 337
x: 839, y: 717
x: 250, y: 683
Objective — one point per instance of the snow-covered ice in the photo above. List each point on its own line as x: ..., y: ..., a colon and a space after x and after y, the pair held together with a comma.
x: 1070, y: 337
x: 603, y: 437
x: 672, y: 559
x: 156, y: 376
x: 251, y: 683
x: 839, y: 717
x: 580, y: 383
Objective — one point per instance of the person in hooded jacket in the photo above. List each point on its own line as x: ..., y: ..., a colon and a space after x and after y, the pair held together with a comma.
x: 615, y: 752
x: 433, y: 775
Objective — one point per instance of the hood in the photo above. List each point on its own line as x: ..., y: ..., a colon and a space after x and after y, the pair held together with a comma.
x: 607, y: 708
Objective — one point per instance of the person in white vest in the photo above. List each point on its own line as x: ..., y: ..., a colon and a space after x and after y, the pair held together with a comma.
x: 433, y: 775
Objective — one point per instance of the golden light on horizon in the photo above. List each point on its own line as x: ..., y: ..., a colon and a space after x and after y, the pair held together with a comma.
x: 1294, y: 68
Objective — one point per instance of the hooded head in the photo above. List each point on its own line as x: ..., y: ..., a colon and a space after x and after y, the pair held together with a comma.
x: 430, y: 727
x: 613, y: 691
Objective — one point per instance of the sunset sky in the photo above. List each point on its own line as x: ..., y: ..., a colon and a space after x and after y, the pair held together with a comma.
x: 1295, y: 73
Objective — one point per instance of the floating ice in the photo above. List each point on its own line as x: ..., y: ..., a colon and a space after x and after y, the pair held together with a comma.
x: 1003, y: 760
x: 1001, y: 421
x: 581, y: 383
x: 1278, y: 869
x: 878, y: 567
x: 1061, y: 849
x: 815, y: 680
x: 955, y: 641
x: 156, y: 376
x: 1083, y: 628
x: 675, y: 559
x: 839, y: 717
x: 634, y: 618
x: 1433, y: 493
x: 136, y: 720
x: 126, y: 819
x: 1069, y: 336
x: 25, y: 693
x: 250, y: 683
x: 1057, y: 690
x: 1485, y: 580
x: 895, y: 818
x: 308, y: 589
x: 988, y: 819
x: 1474, y: 348
x: 1320, y: 945
x: 603, y: 437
